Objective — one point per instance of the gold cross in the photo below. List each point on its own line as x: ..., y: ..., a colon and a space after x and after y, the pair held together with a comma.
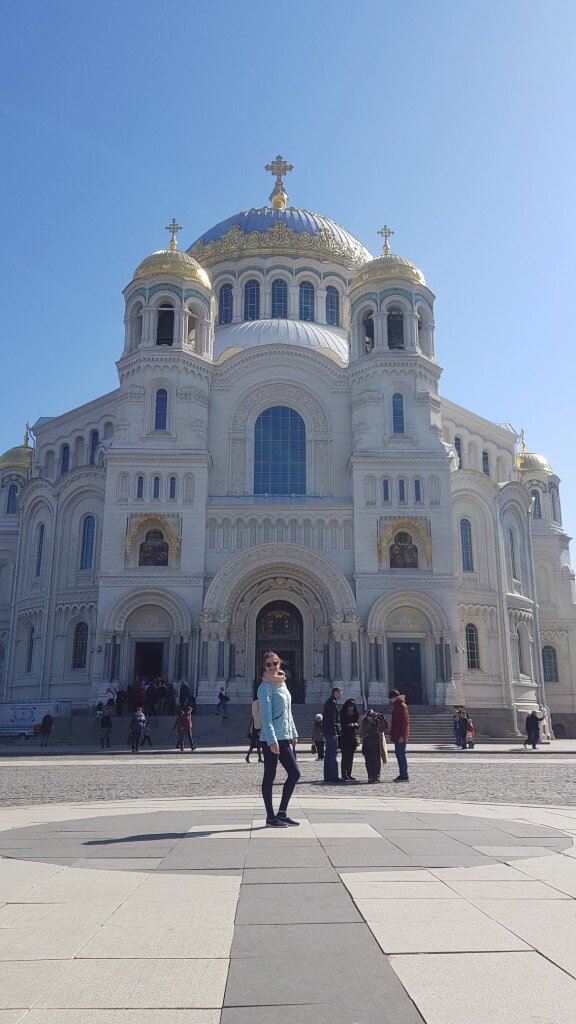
x: 279, y: 167
x: 522, y: 442
x: 386, y: 233
x: 174, y: 228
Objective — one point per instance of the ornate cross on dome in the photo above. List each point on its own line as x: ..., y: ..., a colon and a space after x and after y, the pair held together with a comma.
x: 386, y: 233
x: 174, y: 228
x: 522, y: 442
x: 279, y: 167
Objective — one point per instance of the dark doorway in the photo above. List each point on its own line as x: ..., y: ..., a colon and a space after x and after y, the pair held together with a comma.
x: 279, y: 628
x: 407, y: 670
x: 149, y: 659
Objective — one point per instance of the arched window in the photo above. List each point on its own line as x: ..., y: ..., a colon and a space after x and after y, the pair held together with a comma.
x: 417, y: 490
x: 306, y: 300
x: 64, y: 459
x: 395, y: 324
x: 12, y: 500
x: 80, y: 645
x: 30, y: 651
x: 153, y: 549
x: 225, y: 307
x: 486, y: 463
x: 472, y: 648
x: 512, y: 545
x: 385, y: 490
x: 536, y: 505
x: 279, y: 299
x: 550, y: 664
x: 401, y: 490
x: 39, y: 549
x: 522, y: 668
x: 458, y: 447
x: 94, y: 439
x: 279, y: 452
x: 397, y: 414
x: 251, y: 300
x: 156, y: 487
x: 161, y: 409
x: 466, y: 545
x: 332, y: 306
x: 139, y: 486
x: 172, y: 488
x: 403, y: 552
x: 87, y: 546
x: 555, y: 502
x: 165, y: 324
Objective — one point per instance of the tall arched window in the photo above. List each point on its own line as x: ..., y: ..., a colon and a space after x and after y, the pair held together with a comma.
x: 417, y: 490
x: 536, y: 506
x: 332, y: 306
x: 161, y: 409
x: 397, y: 414
x: 165, y: 324
x: 368, y: 330
x: 87, y: 545
x: 550, y: 664
x: 486, y: 463
x: 306, y: 300
x: 80, y: 645
x: 466, y: 545
x: 39, y: 549
x: 225, y: 304
x: 385, y: 490
x: 156, y: 487
x: 251, y: 300
x: 522, y: 667
x: 279, y: 452
x: 139, y: 486
x: 401, y: 490
x: 395, y: 324
x: 458, y: 447
x: 12, y: 500
x: 64, y: 459
x: 279, y: 309
x: 472, y: 647
x: 512, y: 546
x: 30, y: 650
x: 172, y: 488
x: 94, y: 439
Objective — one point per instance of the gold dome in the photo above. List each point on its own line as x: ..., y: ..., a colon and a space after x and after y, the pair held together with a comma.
x: 174, y: 262
x: 388, y: 267
x: 529, y: 462
x: 19, y: 457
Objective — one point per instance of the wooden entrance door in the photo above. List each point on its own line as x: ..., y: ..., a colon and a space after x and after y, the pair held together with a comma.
x: 279, y: 628
x: 407, y: 670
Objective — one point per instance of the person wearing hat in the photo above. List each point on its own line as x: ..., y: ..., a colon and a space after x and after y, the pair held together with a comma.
x: 400, y: 732
x: 318, y: 737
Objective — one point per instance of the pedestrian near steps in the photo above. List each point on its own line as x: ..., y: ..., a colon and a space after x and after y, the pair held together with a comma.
x: 254, y: 732
x: 183, y: 725
x: 278, y: 738
x: 400, y: 732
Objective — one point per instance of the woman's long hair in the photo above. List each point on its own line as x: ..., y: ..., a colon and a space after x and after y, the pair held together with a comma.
x: 350, y: 703
x: 265, y: 657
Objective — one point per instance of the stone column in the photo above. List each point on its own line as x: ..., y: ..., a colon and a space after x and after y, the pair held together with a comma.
x: 380, y: 332
x: 411, y: 331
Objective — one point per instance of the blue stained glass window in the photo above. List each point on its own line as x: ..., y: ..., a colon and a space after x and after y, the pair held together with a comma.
x: 279, y: 452
x: 39, y: 549
x: 486, y: 463
x: 401, y: 490
x: 536, y: 506
x: 251, y: 300
x: 225, y: 308
x: 550, y: 664
x: 156, y: 487
x: 161, y: 409
x: 332, y: 306
x: 306, y: 300
x: 279, y: 299
x: 466, y: 544
x: 140, y: 487
x: 417, y: 491
x: 64, y: 458
x: 385, y: 490
x: 80, y: 645
x: 87, y: 549
x: 172, y: 487
x: 397, y: 414
x: 94, y: 439
x: 12, y: 500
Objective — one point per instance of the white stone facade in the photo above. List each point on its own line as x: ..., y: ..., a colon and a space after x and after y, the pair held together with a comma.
x: 185, y: 571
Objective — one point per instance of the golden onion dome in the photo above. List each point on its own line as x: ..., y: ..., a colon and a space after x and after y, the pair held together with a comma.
x: 529, y: 462
x: 19, y: 457
x: 175, y: 263
x: 386, y: 268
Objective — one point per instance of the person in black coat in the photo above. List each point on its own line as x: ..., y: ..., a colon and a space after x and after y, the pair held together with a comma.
x: 332, y: 730
x: 349, y: 716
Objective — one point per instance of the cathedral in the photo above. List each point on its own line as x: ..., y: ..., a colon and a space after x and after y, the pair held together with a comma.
x: 277, y: 469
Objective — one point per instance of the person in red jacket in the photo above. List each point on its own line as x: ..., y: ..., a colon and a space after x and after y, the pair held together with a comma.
x: 400, y: 732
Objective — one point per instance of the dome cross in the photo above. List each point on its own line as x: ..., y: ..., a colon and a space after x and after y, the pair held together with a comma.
x: 173, y: 228
x: 386, y: 234
x: 279, y: 167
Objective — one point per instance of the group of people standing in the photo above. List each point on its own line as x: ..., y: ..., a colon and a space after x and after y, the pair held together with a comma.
x: 346, y: 729
x: 464, y: 730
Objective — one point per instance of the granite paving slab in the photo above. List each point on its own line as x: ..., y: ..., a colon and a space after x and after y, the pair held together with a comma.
x: 162, y: 984
x: 325, y: 1011
x: 286, y: 856
x: 261, y: 876
x: 139, y: 1016
x: 431, y: 926
x: 24, y: 981
x: 295, y: 904
x: 548, y: 926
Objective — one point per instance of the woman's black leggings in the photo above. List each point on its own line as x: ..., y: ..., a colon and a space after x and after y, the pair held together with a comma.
x: 288, y: 762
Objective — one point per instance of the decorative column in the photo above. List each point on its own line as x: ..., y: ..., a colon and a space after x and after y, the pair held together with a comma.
x: 375, y: 683
x: 380, y: 331
x: 411, y: 327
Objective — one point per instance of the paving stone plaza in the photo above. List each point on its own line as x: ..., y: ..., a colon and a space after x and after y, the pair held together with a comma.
x: 383, y: 904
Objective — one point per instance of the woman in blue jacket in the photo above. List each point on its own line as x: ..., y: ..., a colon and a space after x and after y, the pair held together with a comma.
x: 277, y: 736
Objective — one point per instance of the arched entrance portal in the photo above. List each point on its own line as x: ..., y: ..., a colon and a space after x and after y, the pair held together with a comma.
x: 279, y: 628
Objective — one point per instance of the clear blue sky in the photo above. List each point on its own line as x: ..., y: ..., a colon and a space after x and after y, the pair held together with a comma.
x: 451, y: 121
